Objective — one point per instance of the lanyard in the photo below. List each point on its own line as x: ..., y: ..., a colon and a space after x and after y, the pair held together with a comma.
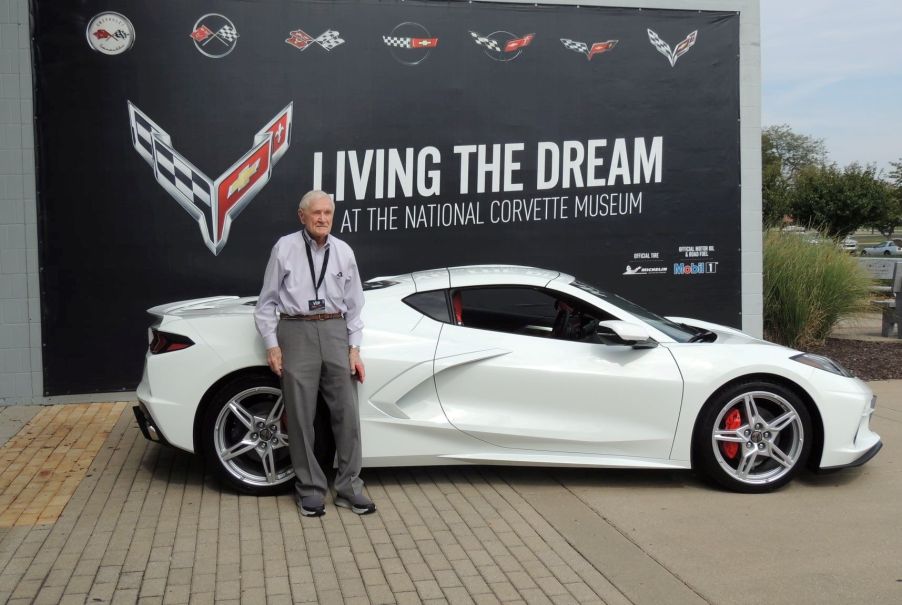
x: 322, y: 273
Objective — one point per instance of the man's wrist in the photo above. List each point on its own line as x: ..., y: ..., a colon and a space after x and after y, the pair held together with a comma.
x: 353, y: 348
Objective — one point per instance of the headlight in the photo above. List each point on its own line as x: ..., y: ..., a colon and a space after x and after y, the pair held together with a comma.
x: 822, y: 363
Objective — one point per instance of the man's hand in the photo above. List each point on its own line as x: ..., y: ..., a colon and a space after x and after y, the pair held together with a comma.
x: 357, y: 369
x: 274, y: 358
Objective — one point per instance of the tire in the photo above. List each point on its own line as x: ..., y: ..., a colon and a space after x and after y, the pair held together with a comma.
x: 887, y: 253
x: 758, y: 456
x: 238, y: 441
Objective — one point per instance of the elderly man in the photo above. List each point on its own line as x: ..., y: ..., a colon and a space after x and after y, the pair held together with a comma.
x: 309, y: 317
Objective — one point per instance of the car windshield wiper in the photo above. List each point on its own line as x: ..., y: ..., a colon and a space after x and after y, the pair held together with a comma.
x: 699, y: 334
x: 704, y: 336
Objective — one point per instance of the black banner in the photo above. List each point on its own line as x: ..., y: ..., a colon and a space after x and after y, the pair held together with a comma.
x: 175, y: 140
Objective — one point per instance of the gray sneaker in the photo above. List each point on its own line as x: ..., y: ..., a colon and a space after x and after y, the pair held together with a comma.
x: 358, y: 503
x: 311, y: 506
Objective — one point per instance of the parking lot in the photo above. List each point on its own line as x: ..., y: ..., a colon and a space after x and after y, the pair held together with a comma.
x: 91, y: 512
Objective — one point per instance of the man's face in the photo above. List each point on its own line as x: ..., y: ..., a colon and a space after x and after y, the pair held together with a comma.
x: 318, y: 217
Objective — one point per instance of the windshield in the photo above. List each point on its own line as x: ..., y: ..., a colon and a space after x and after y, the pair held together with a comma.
x: 674, y: 330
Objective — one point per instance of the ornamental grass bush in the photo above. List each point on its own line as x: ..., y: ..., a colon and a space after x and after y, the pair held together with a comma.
x: 808, y: 288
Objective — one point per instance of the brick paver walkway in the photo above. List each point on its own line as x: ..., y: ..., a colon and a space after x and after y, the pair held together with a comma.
x: 146, y: 525
x: 42, y: 464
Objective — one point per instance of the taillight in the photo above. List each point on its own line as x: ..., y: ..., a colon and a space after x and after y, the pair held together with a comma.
x: 166, y: 342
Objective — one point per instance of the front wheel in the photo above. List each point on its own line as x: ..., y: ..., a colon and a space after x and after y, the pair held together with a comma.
x: 753, y: 437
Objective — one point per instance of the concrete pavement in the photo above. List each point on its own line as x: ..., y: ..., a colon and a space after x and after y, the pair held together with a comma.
x: 825, y: 538
x: 146, y: 524
x: 863, y: 326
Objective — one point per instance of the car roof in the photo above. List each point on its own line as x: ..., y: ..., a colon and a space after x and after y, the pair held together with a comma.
x: 478, y: 275
x: 481, y: 275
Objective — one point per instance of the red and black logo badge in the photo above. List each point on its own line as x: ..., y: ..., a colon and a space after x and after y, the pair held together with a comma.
x: 213, y: 204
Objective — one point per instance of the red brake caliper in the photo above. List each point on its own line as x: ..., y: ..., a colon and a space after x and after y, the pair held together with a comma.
x: 732, y: 422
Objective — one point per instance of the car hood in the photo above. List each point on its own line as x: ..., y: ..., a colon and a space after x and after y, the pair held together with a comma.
x: 725, y: 334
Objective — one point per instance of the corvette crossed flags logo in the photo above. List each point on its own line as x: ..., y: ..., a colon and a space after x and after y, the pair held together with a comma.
x: 585, y: 49
x: 213, y: 204
x: 301, y: 40
x: 679, y: 50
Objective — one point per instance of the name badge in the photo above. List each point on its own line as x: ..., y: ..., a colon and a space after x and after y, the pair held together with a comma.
x: 317, y: 305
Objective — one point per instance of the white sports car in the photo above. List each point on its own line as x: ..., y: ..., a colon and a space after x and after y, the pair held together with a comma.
x: 513, y: 365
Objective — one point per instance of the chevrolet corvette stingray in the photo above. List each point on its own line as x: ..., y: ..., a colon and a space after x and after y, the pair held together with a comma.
x: 500, y: 364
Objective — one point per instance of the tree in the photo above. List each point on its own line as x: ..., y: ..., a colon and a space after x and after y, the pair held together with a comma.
x: 775, y: 195
x: 784, y: 154
x: 895, y: 175
x: 889, y: 215
x: 836, y: 201
x: 791, y: 152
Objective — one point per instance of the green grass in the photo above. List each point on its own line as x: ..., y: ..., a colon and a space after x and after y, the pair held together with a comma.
x: 808, y: 288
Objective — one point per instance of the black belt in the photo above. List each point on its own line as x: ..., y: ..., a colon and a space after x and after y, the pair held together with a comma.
x: 316, y: 317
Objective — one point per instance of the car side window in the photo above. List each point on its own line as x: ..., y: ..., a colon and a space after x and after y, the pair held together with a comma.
x: 507, y: 309
x: 526, y: 311
x: 432, y: 304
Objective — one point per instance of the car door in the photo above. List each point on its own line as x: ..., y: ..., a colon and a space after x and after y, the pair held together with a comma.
x: 502, y: 376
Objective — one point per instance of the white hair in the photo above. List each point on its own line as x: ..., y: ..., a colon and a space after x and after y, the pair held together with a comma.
x: 314, y: 195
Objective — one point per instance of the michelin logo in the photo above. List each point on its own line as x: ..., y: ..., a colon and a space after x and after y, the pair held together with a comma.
x: 640, y: 270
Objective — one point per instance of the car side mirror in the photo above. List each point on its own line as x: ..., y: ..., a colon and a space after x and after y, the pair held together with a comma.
x: 628, y: 333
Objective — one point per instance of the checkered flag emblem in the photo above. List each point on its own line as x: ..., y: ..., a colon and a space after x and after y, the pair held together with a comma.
x: 227, y: 33
x: 490, y: 44
x: 214, y: 26
x: 299, y: 39
x: 672, y: 55
x: 397, y: 42
x: 329, y: 39
x: 583, y: 48
x: 213, y: 204
x: 580, y: 47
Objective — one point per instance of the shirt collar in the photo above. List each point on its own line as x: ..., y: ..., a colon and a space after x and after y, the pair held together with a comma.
x: 313, y: 243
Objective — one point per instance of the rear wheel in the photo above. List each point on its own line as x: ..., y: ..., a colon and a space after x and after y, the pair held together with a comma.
x: 753, y: 438
x: 244, y: 438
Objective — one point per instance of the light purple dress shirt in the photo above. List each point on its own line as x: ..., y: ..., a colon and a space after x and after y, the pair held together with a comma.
x: 288, y: 288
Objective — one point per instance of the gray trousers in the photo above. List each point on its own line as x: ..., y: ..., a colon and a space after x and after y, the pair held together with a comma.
x: 315, y: 359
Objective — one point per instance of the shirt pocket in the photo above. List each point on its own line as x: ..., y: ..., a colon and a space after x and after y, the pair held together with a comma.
x: 336, y: 284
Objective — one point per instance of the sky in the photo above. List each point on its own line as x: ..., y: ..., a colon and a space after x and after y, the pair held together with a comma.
x: 832, y: 69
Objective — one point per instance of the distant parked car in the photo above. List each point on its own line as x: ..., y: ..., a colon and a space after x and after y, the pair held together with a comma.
x: 849, y: 245
x: 887, y: 248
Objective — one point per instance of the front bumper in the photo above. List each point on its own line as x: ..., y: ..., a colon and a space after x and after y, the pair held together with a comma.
x: 848, y: 438
x: 867, y: 455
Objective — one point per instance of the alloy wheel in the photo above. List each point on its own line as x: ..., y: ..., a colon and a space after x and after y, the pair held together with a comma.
x: 250, y: 440
x: 758, y: 437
